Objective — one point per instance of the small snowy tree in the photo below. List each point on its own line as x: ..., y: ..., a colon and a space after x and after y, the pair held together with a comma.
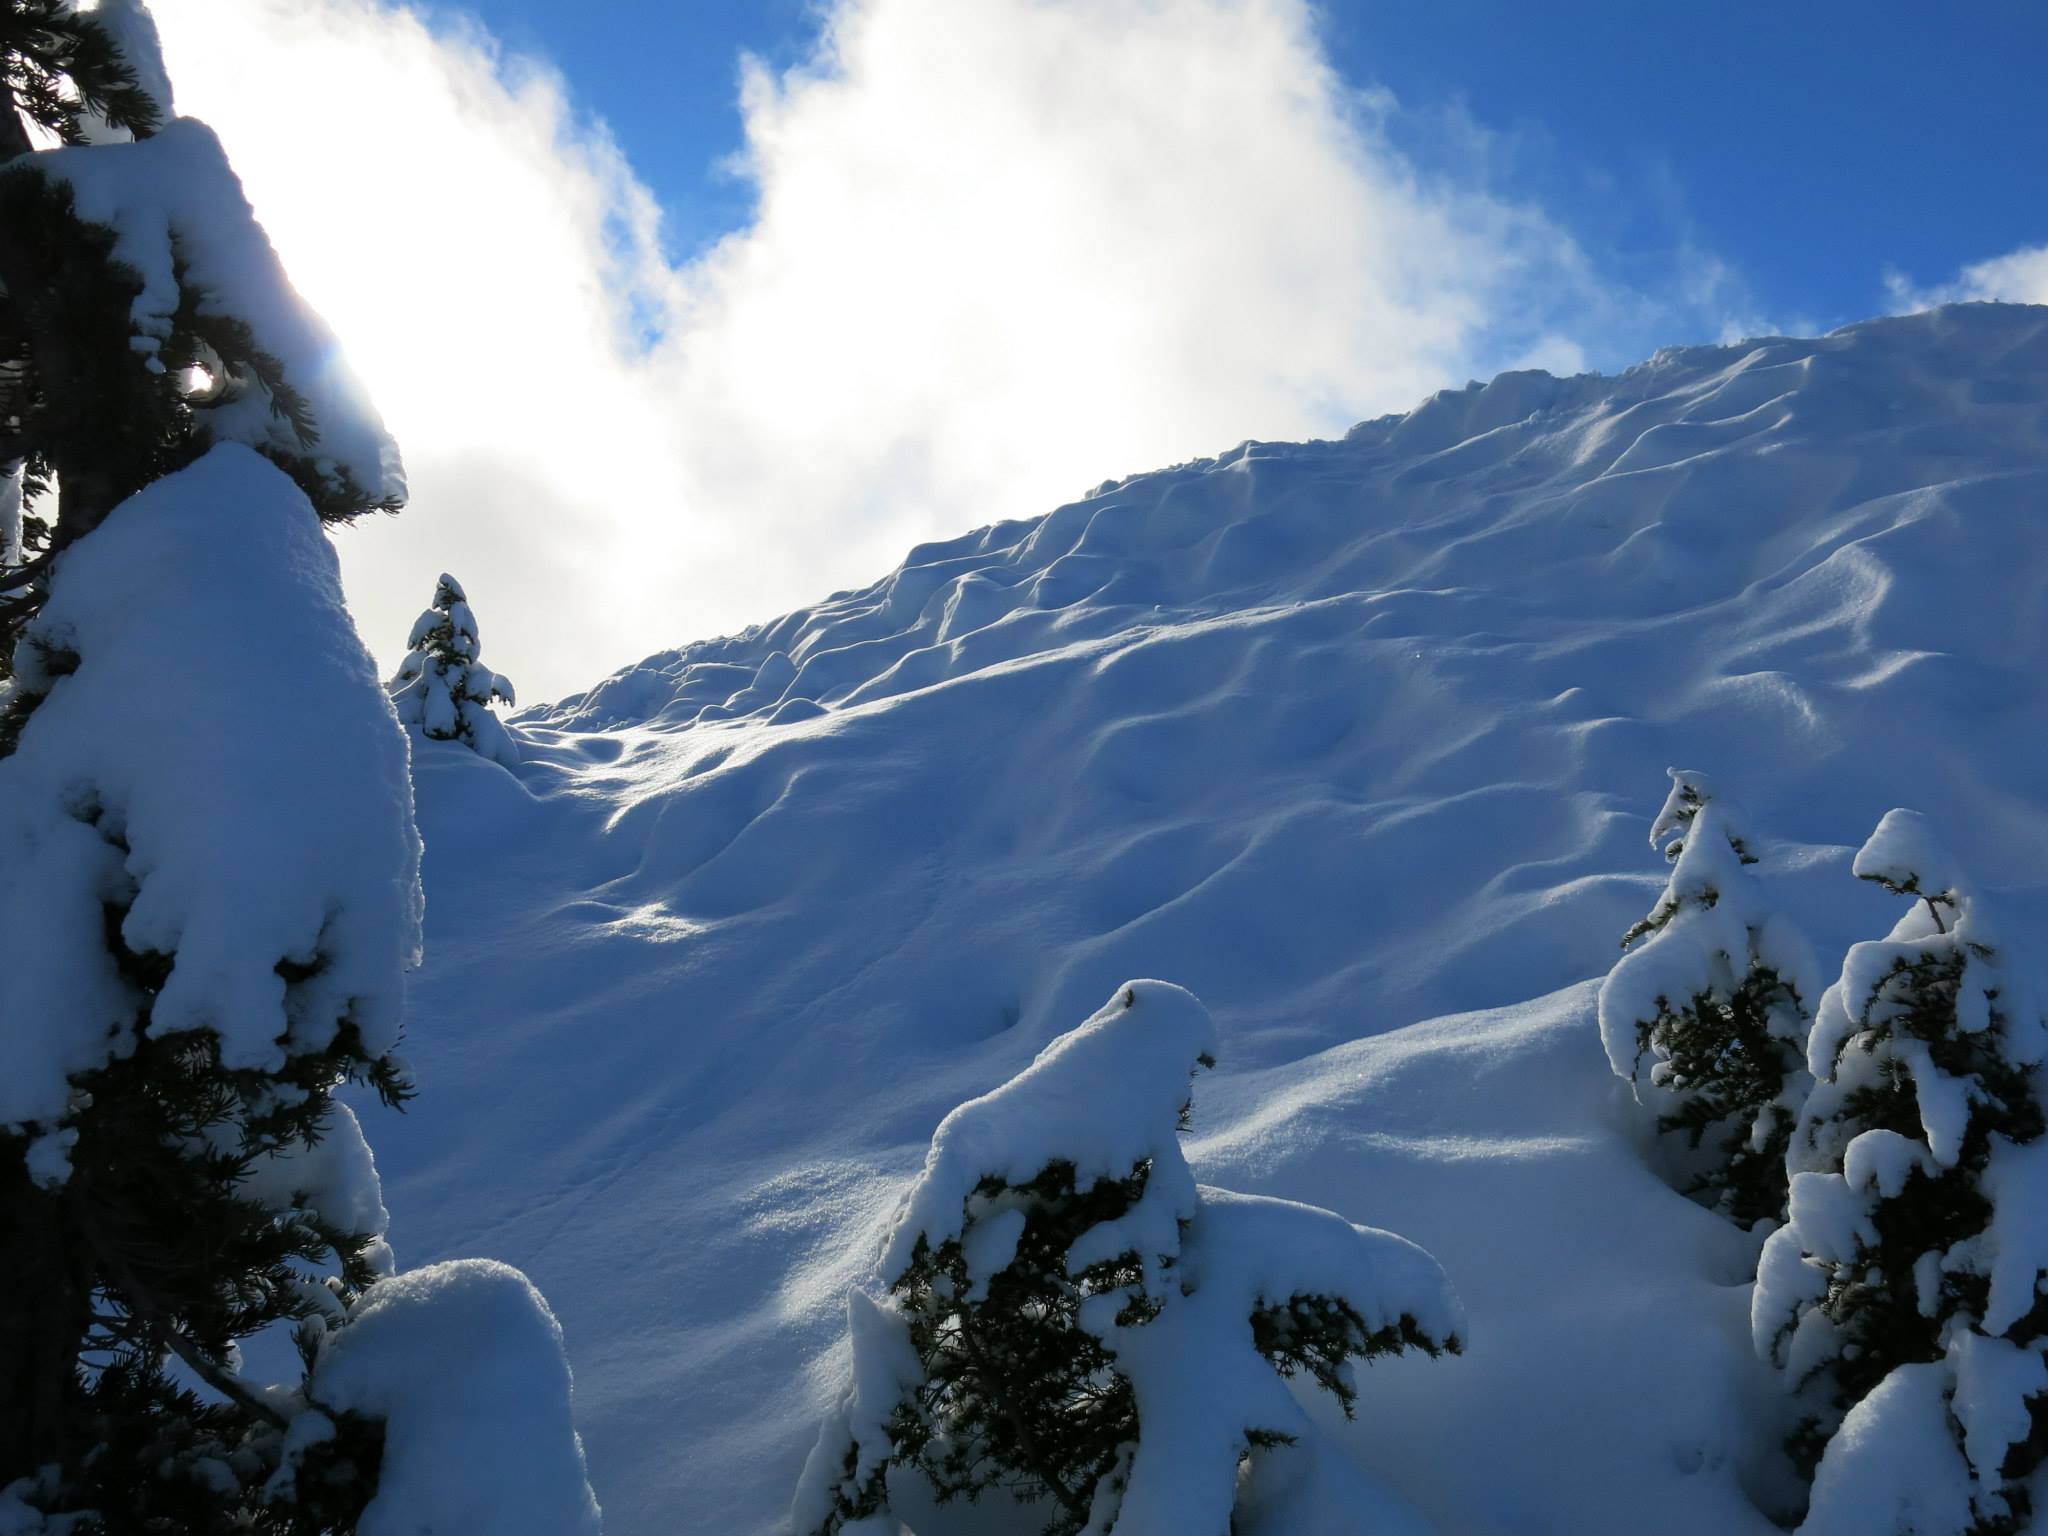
x: 204, y: 926
x: 1712, y: 998
x: 442, y: 690
x: 1905, y: 1295
x: 1071, y: 1321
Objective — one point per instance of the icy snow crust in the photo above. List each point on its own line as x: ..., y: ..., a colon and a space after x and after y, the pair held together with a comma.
x: 1359, y: 741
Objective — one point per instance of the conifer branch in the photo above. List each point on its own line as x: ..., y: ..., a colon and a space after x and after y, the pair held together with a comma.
x: 23, y: 575
x: 145, y: 1306
x: 14, y: 140
x: 1028, y: 1442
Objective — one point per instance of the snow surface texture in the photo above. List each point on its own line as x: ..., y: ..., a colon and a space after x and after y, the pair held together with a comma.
x: 1358, y: 741
x: 1107, y: 1099
x: 218, y: 572
x: 442, y: 690
x: 173, y: 198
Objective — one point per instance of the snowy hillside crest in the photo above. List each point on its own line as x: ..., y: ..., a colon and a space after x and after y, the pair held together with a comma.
x: 1354, y: 739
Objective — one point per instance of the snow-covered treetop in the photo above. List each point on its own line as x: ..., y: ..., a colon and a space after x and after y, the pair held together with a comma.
x: 1906, y: 857
x: 134, y: 33
x: 183, y: 225
x: 1709, y: 928
x: 446, y: 625
x: 82, y: 76
x: 442, y: 689
x: 1690, y: 792
x: 1915, y: 1239
x: 1106, y: 1097
x: 179, y: 812
x: 1948, y: 923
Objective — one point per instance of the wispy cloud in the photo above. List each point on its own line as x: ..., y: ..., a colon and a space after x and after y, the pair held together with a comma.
x: 2018, y: 277
x: 1000, y: 252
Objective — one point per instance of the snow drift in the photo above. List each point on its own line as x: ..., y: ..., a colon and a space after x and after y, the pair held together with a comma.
x: 1357, y: 740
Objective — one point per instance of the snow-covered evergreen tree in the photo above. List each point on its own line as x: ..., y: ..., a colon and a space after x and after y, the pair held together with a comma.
x: 1071, y: 1321
x: 1707, y: 1012
x: 442, y: 690
x: 203, y: 926
x: 1905, y: 1295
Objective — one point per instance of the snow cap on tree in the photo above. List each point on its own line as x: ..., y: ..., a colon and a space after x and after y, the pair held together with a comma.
x: 1910, y: 1273
x: 134, y: 34
x: 144, y: 316
x: 210, y: 313
x: 168, y: 818
x: 463, y: 1362
x: 442, y: 690
x: 1069, y: 1318
x: 1712, y: 998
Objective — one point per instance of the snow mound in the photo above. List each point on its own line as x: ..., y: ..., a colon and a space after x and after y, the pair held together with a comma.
x: 1356, y: 740
x: 463, y: 1361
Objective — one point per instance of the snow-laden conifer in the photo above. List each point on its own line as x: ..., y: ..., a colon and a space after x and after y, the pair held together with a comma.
x: 1707, y: 1012
x: 1904, y: 1296
x: 144, y: 317
x: 442, y: 689
x: 203, y: 926
x: 1070, y: 1320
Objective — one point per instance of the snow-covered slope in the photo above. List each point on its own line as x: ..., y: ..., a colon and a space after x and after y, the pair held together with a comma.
x: 1357, y: 740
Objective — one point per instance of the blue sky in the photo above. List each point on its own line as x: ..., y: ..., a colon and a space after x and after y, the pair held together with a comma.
x: 1809, y: 146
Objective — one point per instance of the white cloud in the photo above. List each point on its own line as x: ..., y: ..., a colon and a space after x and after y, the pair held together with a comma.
x: 1001, y: 252
x: 2018, y: 277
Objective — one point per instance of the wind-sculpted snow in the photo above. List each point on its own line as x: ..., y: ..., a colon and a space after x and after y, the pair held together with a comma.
x: 1344, y: 737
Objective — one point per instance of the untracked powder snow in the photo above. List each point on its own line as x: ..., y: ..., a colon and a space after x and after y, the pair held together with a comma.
x: 1357, y: 741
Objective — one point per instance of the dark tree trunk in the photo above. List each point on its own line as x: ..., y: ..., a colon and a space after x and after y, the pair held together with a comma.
x: 45, y: 1301
x: 45, y: 1310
